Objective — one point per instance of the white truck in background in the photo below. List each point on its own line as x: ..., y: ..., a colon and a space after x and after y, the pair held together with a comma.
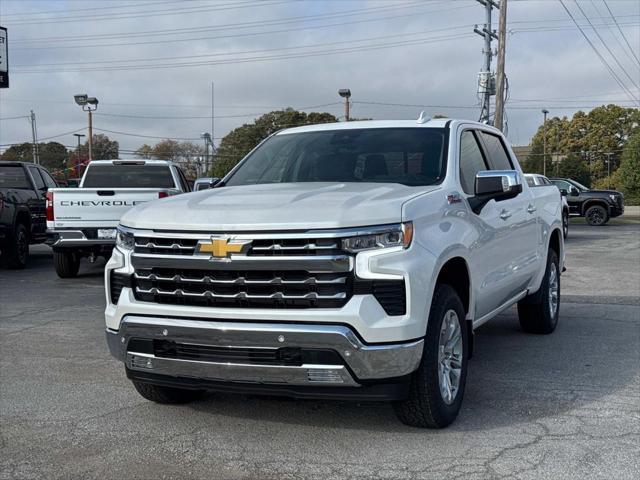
x: 81, y: 222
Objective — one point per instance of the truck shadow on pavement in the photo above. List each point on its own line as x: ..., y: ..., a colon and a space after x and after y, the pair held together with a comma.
x: 513, y: 378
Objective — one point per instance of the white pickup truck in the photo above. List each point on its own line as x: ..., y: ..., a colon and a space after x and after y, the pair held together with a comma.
x: 81, y: 222
x: 349, y: 260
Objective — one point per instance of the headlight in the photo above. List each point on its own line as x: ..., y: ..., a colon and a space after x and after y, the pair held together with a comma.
x: 614, y: 198
x: 399, y: 235
x: 125, y: 239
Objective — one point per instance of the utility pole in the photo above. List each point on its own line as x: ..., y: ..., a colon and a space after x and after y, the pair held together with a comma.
x: 608, y: 154
x: 34, y: 135
x: 486, y: 81
x: 346, y: 94
x: 544, y: 142
x: 500, y: 76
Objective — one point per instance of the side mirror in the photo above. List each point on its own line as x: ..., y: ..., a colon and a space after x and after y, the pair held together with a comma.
x: 495, y: 185
x: 563, y: 192
x: 574, y: 192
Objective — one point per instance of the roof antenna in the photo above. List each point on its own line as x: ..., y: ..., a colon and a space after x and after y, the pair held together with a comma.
x: 423, y: 118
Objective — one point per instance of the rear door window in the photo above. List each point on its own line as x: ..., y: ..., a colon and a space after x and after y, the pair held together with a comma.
x: 48, y: 179
x: 128, y: 176
x: 13, y: 177
x: 496, y: 152
x: 37, y: 178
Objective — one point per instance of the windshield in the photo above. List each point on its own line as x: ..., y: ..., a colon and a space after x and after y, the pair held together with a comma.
x: 13, y: 177
x: 410, y: 156
x: 128, y: 176
x: 580, y: 186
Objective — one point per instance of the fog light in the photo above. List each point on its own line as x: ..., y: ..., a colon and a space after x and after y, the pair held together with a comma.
x: 323, y: 375
x: 142, y: 362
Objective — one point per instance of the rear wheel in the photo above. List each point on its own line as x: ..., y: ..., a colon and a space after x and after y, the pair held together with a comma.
x: 538, y: 312
x: 596, y: 215
x: 67, y: 263
x: 18, y: 248
x: 168, y: 395
x: 437, y: 387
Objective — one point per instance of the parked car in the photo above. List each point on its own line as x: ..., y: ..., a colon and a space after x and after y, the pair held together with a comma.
x: 596, y: 206
x: 204, y: 183
x: 23, y: 187
x: 537, y: 180
x: 349, y: 260
x: 81, y: 222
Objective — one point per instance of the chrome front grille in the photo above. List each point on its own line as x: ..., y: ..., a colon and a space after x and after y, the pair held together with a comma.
x: 174, y: 244
x: 249, y: 289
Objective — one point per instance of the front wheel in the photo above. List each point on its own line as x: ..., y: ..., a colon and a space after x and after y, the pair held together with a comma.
x: 596, y: 215
x: 565, y: 224
x: 437, y: 387
x: 66, y: 263
x: 538, y: 312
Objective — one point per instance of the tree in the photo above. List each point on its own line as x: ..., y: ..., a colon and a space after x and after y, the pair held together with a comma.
x: 240, y: 141
x: 53, y: 155
x: 573, y: 167
x: 590, y: 135
x: 188, y: 154
x: 103, y: 148
x: 629, y: 170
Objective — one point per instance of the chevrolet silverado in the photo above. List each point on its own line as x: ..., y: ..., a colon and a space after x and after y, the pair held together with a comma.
x: 345, y: 261
x: 81, y: 222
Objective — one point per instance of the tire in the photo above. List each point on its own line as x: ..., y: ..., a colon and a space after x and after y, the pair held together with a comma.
x: 596, y: 215
x: 565, y: 224
x: 67, y: 263
x: 537, y: 312
x: 18, y: 248
x: 426, y: 406
x: 167, y: 395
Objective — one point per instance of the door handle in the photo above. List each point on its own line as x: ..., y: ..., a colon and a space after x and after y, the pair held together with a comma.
x: 504, y: 214
x: 531, y: 209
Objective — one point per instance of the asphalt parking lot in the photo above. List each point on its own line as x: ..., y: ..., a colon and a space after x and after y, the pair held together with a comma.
x: 559, y: 406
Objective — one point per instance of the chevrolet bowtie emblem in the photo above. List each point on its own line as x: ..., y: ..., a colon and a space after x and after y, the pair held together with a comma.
x: 223, y: 247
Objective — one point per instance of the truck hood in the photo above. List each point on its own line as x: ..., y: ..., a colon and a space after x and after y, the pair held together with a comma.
x: 284, y: 206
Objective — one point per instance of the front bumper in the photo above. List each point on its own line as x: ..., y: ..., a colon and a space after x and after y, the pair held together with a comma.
x: 357, y: 364
x: 75, y: 239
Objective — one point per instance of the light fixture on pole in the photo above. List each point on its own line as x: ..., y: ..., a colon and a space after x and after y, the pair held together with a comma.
x: 544, y: 142
x: 346, y: 94
x: 88, y: 104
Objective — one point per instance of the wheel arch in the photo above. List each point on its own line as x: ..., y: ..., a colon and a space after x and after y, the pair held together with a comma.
x: 596, y: 201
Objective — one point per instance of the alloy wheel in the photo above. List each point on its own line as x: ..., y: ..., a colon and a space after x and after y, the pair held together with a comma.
x: 450, y: 351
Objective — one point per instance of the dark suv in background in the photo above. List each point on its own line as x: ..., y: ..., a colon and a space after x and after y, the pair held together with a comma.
x: 597, y: 206
x: 23, y: 190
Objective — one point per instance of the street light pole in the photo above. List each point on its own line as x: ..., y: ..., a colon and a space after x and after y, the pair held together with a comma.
x: 544, y: 142
x: 78, y: 136
x: 608, y: 154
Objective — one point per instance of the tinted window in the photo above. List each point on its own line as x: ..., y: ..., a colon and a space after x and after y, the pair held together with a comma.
x: 411, y: 156
x: 37, y: 178
x: 13, y: 177
x: 48, y: 179
x: 471, y: 161
x: 128, y: 176
x: 561, y: 184
x: 183, y: 181
x: 498, y: 157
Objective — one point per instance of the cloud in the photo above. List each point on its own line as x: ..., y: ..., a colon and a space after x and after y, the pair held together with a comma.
x: 556, y: 69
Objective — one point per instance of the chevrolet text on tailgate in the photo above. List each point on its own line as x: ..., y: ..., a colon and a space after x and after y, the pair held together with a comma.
x: 82, y: 221
x: 345, y: 261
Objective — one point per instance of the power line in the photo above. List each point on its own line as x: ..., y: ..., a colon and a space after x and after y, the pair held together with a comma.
x: 621, y: 32
x: 613, y: 34
x: 602, y: 59
x: 147, y: 14
x: 624, y: 70
x: 242, y: 25
x: 92, y: 9
x: 245, y: 52
x: 14, y: 118
x: 257, y: 58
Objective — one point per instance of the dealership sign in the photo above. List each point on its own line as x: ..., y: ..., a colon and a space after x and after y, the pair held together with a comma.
x: 4, y: 59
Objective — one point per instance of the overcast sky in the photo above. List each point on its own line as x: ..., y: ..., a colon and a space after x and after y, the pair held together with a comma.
x: 158, y: 58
